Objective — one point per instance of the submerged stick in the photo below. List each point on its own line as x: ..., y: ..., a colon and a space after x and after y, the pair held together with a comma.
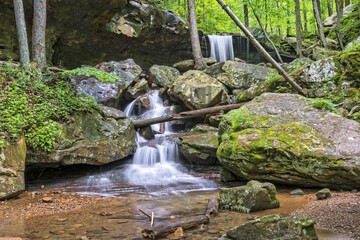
x: 212, y: 207
x: 145, y: 214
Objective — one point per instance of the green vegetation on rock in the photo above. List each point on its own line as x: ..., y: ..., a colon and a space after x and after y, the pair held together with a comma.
x: 92, y: 72
x: 33, y: 103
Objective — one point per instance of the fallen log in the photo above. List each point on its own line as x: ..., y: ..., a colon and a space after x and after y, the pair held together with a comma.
x: 185, y: 115
x: 212, y: 207
x: 165, y: 229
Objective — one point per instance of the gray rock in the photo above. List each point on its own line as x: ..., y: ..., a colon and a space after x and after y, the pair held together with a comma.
x: 12, y: 167
x: 255, y: 196
x: 323, y: 194
x: 110, y: 112
x: 227, y: 176
x: 241, y: 75
x: 297, y: 63
x: 284, y: 135
x: 91, y: 139
x: 138, y: 89
x: 108, y: 93
x: 275, y: 227
x: 163, y: 76
x: 331, y: 21
x: 297, y: 192
x: 200, y: 145
x: 198, y: 90
x: 189, y: 64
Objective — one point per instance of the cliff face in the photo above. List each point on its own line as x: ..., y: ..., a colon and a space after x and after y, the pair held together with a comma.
x: 92, y: 31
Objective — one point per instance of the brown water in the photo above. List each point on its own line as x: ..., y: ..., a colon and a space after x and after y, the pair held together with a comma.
x: 119, y: 217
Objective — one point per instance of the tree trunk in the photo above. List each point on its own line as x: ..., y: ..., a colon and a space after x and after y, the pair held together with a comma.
x: 319, y: 22
x: 265, y: 34
x: 246, y: 15
x: 347, y: 2
x: 194, y: 35
x: 165, y: 229
x: 21, y: 32
x: 185, y: 115
x: 305, y: 17
x: 185, y: 10
x: 339, y: 12
x: 261, y: 49
x: 166, y: 4
x: 38, y: 33
x: 330, y: 10
x: 298, y: 28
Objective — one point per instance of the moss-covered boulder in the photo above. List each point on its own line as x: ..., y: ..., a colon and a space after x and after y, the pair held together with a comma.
x: 198, y: 90
x: 297, y: 63
x: 94, y: 138
x: 237, y: 75
x: 348, y: 64
x: 108, y: 93
x: 137, y: 90
x: 281, y: 138
x: 163, y: 76
x: 199, y: 145
x: 255, y: 196
x: 12, y: 167
x: 275, y: 227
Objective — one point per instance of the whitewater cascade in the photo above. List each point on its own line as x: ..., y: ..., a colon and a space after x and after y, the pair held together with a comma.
x: 155, y: 161
x: 221, y: 47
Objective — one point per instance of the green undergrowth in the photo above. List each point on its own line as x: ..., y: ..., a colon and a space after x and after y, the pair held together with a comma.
x: 92, y: 72
x: 324, y: 104
x: 33, y: 103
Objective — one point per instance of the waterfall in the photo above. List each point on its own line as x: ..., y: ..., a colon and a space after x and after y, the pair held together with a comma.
x: 221, y: 47
x: 155, y: 161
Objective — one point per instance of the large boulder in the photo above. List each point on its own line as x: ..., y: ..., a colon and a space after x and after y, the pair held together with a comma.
x: 94, y: 138
x: 200, y: 145
x: 283, y: 139
x: 198, y: 90
x: 241, y: 75
x: 108, y: 93
x: 163, y: 76
x: 189, y: 64
x: 255, y: 196
x: 95, y: 31
x: 330, y: 22
x: 12, y: 167
x: 275, y: 227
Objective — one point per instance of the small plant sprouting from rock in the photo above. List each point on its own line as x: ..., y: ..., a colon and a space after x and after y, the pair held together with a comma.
x: 324, y: 104
x: 92, y: 72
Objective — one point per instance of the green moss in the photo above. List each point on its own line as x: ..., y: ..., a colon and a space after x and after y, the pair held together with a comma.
x: 349, y: 27
x: 92, y: 72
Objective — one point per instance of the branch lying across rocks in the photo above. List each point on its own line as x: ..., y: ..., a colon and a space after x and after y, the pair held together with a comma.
x: 185, y: 115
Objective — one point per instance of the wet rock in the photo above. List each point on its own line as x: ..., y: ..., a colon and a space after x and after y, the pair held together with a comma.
x: 110, y: 112
x: 299, y: 144
x: 237, y: 75
x: 147, y: 133
x: 90, y: 139
x: 214, y: 120
x: 144, y: 101
x: 198, y: 90
x: 323, y: 194
x: 254, y: 196
x: 297, y: 192
x: 12, y: 167
x: 163, y: 76
x: 108, y: 93
x: 200, y: 145
x: 178, y: 234
x: 138, y: 89
x: 187, y: 65
x: 275, y: 227
x: 47, y: 200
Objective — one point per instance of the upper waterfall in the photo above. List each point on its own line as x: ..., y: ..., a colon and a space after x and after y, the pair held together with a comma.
x: 221, y: 47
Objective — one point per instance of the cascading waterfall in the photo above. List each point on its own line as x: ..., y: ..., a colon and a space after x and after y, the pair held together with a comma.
x: 155, y: 161
x: 221, y: 48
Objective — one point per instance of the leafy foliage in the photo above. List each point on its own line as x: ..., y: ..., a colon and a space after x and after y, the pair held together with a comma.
x: 31, y: 103
x: 92, y: 72
x: 324, y: 104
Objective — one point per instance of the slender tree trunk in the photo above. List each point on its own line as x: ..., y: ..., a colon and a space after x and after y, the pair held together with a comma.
x: 319, y: 22
x: 305, y: 17
x: 246, y: 15
x: 347, y: 2
x: 194, y: 35
x: 261, y: 49
x: 21, y: 32
x: 298, y: 28
x: 38, y: 33
x: 339, y: 12
x: 330, y: 10
x: 166, y: 4
x: 185, y: 9
x: 265, y: 33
